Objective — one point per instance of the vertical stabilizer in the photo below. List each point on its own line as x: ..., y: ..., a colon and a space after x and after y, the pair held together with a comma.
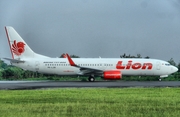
x: 18, y: 47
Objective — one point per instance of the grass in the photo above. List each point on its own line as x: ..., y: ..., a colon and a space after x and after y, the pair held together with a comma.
x: 91, y: 102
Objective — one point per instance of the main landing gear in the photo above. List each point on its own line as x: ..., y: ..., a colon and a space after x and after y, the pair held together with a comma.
x: 91, y: 78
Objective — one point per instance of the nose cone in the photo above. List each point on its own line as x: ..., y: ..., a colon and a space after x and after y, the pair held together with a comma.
x: 174, y: 69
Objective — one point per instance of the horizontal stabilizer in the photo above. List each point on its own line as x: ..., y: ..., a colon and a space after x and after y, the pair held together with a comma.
x: 14, y: 60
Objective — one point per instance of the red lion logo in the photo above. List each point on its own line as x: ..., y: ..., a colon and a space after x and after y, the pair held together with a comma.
x: 18, y: 48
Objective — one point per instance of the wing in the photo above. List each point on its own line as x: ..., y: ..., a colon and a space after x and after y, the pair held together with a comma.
x: 83, y: 70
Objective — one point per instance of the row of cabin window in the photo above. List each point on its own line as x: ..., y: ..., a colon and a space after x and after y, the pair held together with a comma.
x: 78, y: 64
x: 57, y: 64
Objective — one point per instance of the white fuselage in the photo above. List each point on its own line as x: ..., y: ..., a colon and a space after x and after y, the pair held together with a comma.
x: 61, y: 66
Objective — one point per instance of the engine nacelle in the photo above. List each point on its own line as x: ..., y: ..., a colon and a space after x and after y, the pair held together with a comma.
x: 112, y: 75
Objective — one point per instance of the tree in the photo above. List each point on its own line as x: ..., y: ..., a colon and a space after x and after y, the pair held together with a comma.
x: 2, y: 64
x: 147, y: 57
x: 72, y: 56
x: 18, y: 72
x: 130, y: 56
x: 13, y: 72
x: 171, y: 61
x: 1, y: 74
x: 139, y: 56
x: 123, y: 56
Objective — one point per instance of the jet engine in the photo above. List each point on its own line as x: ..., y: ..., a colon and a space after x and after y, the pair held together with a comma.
x: 112, y: 75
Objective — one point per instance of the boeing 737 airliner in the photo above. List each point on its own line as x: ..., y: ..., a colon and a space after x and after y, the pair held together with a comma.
x: 108, y: 68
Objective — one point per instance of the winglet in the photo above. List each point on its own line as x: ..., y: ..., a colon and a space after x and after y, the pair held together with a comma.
x: 64, y: 56
x: 71, y: 62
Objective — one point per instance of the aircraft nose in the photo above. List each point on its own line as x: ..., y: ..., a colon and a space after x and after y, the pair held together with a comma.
x: 174, y: 69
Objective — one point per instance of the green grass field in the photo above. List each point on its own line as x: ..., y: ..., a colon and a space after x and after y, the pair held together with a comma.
x: 91, y: 102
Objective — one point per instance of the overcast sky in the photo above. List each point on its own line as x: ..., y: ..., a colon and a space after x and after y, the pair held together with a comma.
x: 93, y: 28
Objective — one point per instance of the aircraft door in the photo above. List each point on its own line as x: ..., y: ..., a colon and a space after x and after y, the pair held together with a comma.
x: 37, y: 66
x: 158, y: 65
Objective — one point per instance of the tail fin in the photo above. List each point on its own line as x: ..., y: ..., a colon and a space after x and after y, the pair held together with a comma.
x: 19, y: 48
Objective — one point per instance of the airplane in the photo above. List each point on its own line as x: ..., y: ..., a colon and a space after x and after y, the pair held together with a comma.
x: 107, y: 68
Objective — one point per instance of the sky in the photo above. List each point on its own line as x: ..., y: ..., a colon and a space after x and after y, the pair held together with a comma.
x: 93, y: 28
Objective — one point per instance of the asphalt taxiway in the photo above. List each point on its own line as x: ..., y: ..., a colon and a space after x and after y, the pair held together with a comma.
x: 13, y: 85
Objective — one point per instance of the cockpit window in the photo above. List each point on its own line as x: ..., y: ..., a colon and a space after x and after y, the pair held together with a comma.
x: 167, y: 64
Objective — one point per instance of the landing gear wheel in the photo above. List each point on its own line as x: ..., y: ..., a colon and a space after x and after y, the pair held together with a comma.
x: 159, y: 79
x: 91, y: 79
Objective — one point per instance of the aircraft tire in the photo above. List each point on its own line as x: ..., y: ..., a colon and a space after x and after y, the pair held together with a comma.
x: 91, y: 79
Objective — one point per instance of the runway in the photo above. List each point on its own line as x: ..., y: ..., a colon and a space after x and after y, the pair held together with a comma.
x: 22, y: 85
